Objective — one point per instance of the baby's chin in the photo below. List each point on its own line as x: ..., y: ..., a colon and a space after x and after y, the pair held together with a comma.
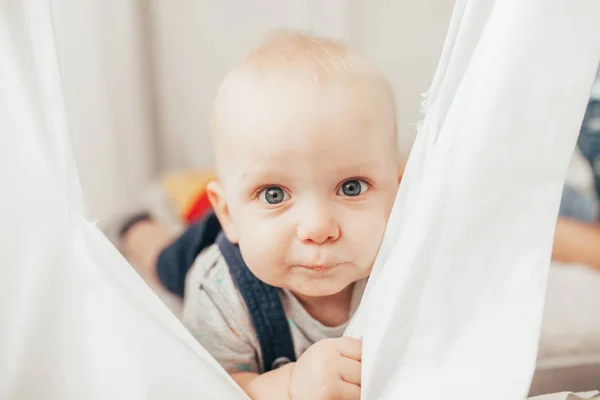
x: 320, y: 288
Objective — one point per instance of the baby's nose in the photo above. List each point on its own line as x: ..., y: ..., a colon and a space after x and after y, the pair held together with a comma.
x: 319, y: 229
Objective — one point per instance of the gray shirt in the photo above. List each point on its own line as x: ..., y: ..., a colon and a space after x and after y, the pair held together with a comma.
x: 215, y: 313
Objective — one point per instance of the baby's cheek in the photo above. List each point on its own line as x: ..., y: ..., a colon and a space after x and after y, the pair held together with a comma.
x: 366, y: 235
x: 257, y: 260
x: 262, y: 250
x: 255, y: 249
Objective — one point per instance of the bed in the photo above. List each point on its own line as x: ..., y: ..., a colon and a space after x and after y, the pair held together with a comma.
x: 569, y: 352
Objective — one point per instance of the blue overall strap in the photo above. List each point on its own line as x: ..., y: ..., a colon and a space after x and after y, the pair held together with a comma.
x: 589, y: 136
x: 265, y: 308
x: 175, y: 260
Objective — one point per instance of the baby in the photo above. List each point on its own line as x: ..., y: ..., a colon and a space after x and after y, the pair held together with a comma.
x: 304, y: 134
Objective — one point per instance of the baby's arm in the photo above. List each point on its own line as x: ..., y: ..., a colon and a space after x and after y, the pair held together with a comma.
x: 328, y: 370
x: 577, y: 242
x: 272, y: 385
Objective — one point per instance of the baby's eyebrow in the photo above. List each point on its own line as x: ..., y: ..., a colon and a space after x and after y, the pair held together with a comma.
x: 254, y: 177
x: 362, y: 168
x: 256, y: 173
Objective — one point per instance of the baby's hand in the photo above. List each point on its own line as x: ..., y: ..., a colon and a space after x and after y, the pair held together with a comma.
x: 328, y: 370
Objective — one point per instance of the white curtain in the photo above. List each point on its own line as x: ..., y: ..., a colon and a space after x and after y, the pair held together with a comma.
x: 454, y: 304
x: 77, y: 322
x: 483, y: 182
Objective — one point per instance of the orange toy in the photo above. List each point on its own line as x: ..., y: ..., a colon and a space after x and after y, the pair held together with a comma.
x: 187, y: 192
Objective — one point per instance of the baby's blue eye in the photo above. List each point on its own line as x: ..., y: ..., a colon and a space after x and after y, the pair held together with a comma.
x: 353, y: 188
x: 273, y: 195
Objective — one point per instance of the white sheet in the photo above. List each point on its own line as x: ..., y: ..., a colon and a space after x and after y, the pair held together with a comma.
x: 571, y: 325
x: 78, y: 323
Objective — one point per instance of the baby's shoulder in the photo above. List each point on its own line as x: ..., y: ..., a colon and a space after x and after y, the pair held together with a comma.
x: 209, y: 268
x: 216, y: 315
x: 210, y: 279
x: 211, y: 273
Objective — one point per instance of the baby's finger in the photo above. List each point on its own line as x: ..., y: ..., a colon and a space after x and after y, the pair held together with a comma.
x: 350, y: 371
x: 347, y: 391
x: 350, y: 347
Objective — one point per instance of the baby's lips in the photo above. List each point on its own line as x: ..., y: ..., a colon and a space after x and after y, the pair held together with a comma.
x: 318, y: 267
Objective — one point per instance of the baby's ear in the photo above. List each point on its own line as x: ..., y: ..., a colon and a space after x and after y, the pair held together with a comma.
x: 216, y: 196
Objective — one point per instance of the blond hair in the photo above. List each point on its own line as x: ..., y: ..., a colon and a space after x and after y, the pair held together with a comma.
x: 319, y: 60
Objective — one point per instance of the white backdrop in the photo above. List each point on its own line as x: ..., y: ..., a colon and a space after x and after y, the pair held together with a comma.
x: 139, y: 76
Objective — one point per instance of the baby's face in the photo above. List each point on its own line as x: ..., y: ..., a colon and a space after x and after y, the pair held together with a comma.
x: 309, y: 184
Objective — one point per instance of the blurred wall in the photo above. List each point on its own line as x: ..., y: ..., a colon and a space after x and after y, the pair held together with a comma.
x: 107, y: 92
x: 405, y: 39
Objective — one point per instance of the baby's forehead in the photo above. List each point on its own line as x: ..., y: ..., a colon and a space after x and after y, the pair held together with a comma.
x: 290, y: 122
x: 320, y: 130
x: 264, y: 108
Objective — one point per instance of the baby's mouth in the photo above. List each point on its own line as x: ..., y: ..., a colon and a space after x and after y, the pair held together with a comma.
x: 318, y: 268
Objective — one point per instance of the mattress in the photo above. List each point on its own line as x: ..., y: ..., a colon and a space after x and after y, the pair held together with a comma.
x: 569, y: 350
x: 569, y: 373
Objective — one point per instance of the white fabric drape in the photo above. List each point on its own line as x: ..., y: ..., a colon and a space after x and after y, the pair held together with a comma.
x: 454, y: 305
x: 77, y: 322
x: 460, y: 279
